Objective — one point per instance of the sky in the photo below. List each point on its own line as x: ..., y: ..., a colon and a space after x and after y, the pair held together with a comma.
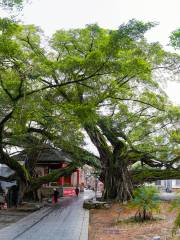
x: 51, y: 15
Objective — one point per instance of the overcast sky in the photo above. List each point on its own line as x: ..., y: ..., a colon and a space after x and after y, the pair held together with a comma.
x: 51, y: 15
x: 55, y: 14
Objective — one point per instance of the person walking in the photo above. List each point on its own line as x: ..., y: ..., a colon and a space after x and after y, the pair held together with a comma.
x: 55, y: 195
x: 2, y: 197
x: 77, y: 191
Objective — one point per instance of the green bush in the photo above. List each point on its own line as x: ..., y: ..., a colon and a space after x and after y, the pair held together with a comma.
x: 176, y: 205
x: 146, y: 200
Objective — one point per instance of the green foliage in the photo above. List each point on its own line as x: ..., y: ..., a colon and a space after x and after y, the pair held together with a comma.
x: 176, y: 206
x: 175, y: 136
x: 12, y: 4
x: 83, y: 78
x: 175, y: 39
x: 135, y: 29
x: 146, y: 200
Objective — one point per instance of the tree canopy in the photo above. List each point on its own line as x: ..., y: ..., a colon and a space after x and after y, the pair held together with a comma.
x: 175, y: 39
x: 92, y: 80
x: 11, y: 4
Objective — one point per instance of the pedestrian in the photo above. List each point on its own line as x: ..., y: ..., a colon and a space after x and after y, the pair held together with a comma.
x: 2, y: 197
x: 55, y: 195
x: 1, y: 189
x: 77, y: 191
x: 15, y: 194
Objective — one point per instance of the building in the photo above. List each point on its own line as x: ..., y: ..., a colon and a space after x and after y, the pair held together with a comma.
x: 49, y: 159
x: 169, y: 185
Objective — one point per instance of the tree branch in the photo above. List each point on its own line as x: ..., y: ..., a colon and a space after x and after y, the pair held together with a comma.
x: 139, y: 101
x: 53, y: 176
x: 151, y: 175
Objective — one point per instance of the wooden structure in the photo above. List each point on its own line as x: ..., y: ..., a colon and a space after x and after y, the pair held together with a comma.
x: 49, y: 159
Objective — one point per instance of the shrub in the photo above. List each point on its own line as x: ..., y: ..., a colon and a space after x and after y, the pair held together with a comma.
x: 146, y: 200
x: 176, y: 205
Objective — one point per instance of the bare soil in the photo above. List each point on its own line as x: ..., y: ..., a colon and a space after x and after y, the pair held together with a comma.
x: 103, y: 224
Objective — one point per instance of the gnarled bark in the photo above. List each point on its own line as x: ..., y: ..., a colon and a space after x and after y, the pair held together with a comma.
x: 116, y: 177
x: 118, y: 184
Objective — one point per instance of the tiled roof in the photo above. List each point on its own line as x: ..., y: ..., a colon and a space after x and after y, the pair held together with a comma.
x: 46, y: 154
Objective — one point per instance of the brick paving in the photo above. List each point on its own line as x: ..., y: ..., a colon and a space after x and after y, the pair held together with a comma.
x: 64, y: 221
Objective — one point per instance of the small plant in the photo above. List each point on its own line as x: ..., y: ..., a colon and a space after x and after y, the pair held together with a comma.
x: 146, y: 200
x: 176, y: 205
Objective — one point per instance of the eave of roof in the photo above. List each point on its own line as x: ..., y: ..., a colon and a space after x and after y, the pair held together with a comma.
x: 47, y: 154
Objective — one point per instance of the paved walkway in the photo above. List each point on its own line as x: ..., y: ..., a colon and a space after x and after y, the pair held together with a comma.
x: 65, y: 221
x: 167, y: 196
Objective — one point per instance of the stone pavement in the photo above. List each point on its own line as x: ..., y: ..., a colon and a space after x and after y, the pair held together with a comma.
x: 10, y: 216
x: 167, y: 196
x: 64, y: 221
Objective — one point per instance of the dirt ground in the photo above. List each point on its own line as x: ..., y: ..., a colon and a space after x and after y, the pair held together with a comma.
x: 103, y: 224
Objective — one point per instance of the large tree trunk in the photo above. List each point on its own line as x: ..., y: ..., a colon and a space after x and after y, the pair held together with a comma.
x: 117, y: 183
x: 116, y: 178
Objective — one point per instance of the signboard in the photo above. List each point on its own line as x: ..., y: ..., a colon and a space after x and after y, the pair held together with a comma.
x: 68, y: 192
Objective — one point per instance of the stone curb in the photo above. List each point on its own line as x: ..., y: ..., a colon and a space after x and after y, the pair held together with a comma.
x: 85, y: 225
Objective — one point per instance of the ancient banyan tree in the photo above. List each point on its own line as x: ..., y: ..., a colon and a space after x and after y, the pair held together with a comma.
x: 91, y: 84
